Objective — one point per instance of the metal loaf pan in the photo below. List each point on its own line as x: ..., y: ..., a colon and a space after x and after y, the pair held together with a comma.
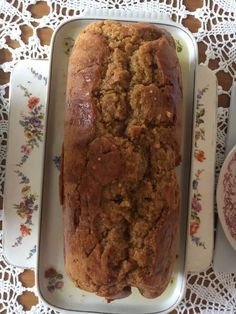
x: 54, y: 287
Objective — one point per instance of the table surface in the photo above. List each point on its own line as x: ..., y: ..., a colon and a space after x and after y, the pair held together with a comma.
x: 40, y: 9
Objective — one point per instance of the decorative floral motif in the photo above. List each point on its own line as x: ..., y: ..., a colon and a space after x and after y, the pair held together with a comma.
x: 32, y: 124
x: 27, y: 205
x: 18, y: 241
x: 25, y: 230
x: 200, y: 113
x: 57, y: 161
x: 229, y: 207
x: 69, y: 44
x: 199, y: 155
x: 32, y: 102
x: 23, y: 178
x: 32, y: 251
x: 179, y: 46
x: 194, y: 228
x: 39, y: 76
x: 55, y: 279
x: 25, y: 208
x: 196, y: 208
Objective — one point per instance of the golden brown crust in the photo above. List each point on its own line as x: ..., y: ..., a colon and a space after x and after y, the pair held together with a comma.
x: 119, y: 190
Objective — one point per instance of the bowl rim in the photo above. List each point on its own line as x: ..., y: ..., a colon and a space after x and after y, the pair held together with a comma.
x: 220, y: 193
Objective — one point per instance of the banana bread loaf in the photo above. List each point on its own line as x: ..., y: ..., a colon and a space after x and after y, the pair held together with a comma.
x: 118, y: 185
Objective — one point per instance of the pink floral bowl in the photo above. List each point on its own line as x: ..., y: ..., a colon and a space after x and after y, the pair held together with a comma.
x: 226, y: 197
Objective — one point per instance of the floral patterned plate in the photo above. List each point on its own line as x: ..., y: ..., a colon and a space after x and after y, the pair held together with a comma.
x: 24, y: 161
x: 226, y: 197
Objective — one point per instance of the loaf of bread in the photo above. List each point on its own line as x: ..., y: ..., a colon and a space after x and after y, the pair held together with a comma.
x: 118, y: 184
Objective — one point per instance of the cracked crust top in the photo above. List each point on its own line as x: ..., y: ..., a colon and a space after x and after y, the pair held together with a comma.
x: 118, y: 183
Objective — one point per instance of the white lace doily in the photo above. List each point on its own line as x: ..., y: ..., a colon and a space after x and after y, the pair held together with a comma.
x: 207, y: 292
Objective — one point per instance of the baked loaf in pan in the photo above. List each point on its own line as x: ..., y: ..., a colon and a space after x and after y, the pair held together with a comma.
x: 118, y: 184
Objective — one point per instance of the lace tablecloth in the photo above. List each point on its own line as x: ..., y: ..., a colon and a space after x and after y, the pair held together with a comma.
x: 207, y: 292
